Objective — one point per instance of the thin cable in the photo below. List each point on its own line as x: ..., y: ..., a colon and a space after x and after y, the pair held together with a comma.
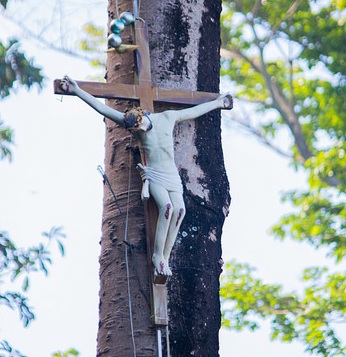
x: 117, y: 8
x: 159, y: 343
x: 167, y: 342
x: 126, y: 255
x: 135, y: 8
x: 100, y: 169
x: 128, y: 243
x: 128, y: 195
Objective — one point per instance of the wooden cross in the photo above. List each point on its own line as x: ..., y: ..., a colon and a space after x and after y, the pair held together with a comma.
x: 144, y: 92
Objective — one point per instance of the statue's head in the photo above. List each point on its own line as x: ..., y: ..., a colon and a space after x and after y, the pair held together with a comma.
x: 137, y: 119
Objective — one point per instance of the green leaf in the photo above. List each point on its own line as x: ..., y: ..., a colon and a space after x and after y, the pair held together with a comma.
x: 68, y: 353
x: 26, y: 284
x: 3, y: 3
x: 61, y: 248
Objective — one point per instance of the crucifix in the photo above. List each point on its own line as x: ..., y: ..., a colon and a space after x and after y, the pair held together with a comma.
x: 153, y: 131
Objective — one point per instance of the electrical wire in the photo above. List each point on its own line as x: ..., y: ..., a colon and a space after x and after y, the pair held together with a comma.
x: 126, y: 254
x: 127, y: 243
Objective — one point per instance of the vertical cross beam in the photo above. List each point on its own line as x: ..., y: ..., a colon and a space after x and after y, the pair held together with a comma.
x: 158, y: 287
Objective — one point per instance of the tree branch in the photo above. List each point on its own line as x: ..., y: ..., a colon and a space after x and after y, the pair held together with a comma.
x: 49, y: 44
x: 246, y: 125
x: 281, y: 104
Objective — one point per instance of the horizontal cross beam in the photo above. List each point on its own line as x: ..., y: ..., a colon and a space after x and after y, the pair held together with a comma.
x: 138, y: 91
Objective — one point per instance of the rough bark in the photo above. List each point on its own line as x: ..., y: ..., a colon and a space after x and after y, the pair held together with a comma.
x: 184, y: 43
x: 121, y: 155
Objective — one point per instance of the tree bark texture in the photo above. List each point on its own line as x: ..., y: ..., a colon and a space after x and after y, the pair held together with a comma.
x: 184, y: 41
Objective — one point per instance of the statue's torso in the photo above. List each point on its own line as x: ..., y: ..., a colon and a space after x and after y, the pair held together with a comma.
x: 156, y: 145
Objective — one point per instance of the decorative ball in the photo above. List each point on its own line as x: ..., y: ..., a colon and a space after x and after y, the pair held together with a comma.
x: 114, y: 40
x: 127, y: 18
x: 116, y: 26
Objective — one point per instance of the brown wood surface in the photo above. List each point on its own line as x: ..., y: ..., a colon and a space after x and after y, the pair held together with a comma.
x: 140, y: 92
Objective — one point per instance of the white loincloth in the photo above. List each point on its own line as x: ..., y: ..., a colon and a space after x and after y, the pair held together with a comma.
x: 169, y: 180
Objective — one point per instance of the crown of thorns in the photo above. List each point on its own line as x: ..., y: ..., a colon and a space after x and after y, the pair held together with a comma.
x: 133, y: 117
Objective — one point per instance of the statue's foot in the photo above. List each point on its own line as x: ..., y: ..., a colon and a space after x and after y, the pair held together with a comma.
x: 169, y: 271
x: 161, y: 265
x: 168, y: 267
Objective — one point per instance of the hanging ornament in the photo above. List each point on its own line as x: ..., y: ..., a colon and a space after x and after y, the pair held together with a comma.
x: 127, y: 18
x: 114, y: 40
x: 116, y: 26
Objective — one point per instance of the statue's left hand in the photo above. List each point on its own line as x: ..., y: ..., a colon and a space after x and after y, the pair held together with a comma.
x: 68, y: 85
x: 227, y: 100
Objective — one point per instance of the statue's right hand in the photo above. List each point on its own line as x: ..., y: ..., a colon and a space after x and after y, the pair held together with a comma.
x: 68, y: 84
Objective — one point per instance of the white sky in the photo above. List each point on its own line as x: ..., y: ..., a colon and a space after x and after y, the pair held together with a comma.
x: 53, y: 181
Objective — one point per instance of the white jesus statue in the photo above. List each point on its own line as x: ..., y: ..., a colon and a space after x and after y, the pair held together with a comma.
x: 154, y: 132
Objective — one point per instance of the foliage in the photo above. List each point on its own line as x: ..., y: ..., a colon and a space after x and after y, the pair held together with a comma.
x: 68, y: 353
x: 93, y: 43
x: 4, y: 3
x: 287, y: 61
x: 15, y: 69
x: 309, y: 316
x: 8, y: 351
x: 20, y: 262
x: 321, y: 222
x: 5, y: 142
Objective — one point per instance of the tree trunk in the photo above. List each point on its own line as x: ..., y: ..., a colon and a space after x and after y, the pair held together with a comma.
x: 184, y: 43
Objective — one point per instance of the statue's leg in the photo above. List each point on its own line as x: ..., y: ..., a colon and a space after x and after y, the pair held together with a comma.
x: 165, y: 208
x: 177, y: 218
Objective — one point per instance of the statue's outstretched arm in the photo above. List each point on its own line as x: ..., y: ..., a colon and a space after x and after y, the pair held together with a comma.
x: 224, y: 101
x: 70, y: 86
